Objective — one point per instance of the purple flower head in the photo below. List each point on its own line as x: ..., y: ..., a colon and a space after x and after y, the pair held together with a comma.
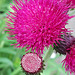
x: 67, y: 47
x: 69, y: 61
x: 32, y: 64
x: 36, y: 24
x: 71, y: 2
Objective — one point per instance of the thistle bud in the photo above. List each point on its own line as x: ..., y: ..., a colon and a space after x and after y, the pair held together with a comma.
x: 32, y: 64
x: 62, y: 46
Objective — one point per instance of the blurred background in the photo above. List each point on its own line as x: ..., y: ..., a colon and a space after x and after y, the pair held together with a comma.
x: 10, y: 57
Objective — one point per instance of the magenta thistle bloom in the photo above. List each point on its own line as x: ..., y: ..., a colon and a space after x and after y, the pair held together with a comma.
x: 71, y: 2
x: 69, y: 61
x: 31, y: 64
x: 36, y: 24
x: 67, y: 47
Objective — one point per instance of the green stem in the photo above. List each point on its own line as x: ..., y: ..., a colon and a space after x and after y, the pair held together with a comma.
x: 16, y: 71
x: 48, y: 54
x: 2, y: 44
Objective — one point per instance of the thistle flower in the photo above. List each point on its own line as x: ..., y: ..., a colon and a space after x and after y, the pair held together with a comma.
x: 63, y: 45
x: 71, y: 2
x: 69, y: 61
x: 68, y: 2
x: 36, y: 24
x: 67, y: 47
x: 32, y: 64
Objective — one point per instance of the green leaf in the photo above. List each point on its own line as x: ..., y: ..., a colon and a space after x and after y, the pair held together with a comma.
x: 3, y: 3
x: 9, y: 50
x: 16, y: 71
x: 2, y: 65
x: 6, y: 60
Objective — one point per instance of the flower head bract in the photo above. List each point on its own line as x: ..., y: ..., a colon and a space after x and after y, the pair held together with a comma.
x: 62, y: 46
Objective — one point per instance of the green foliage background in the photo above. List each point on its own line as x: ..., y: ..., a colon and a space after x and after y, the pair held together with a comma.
x: 10, y: 57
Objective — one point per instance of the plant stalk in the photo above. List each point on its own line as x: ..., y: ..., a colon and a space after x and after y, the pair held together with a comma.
x: 48, y: 54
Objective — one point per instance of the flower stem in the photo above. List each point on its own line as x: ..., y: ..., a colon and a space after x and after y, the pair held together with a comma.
x: 2, y: 44
x: 48, y: 54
